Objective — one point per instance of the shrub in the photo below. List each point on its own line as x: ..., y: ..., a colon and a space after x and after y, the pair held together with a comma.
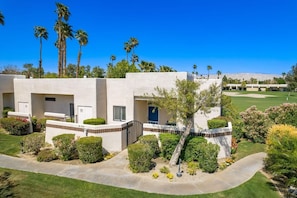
x: 281, y: 152
x: 256, y: 124
x: 168, y: 144
x: 164, y: 170
x: 5, y: 111
x: 6, y: 185
x: 65, y: 145
x: 238, y: 129
x: 152, y: 141
x: 234, y: 145
x: 208, y: 162
x: 95, y: 121
x: 216, y: 123
x: 283, y: 114
x: 33, y: 143
x: 90, y: 149
x: 140, y: 156
x: 169, y: 176
x: 193, y: 150
x: 192, y: 168
x: 46, y: 155
x: 15, y: 126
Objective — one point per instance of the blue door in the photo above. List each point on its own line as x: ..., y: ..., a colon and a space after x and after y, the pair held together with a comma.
x: 153, y: 115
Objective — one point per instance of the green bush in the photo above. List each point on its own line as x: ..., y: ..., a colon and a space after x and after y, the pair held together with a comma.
x: 192, y: 168
x: 15, y: 126
x: 216, y: 123
x: 152, y: 141
x: 164, y: 170
x: 168, y: 144
x: 65, y: 145
x: 33, y: 143
x: 46, y: 155
x: 95, y: 121
x: 90, y: 149
x: 5, y: 111
x: 208, y: 162
x: 193, y: 149
x: 283, y: 114
x: 140, y: 156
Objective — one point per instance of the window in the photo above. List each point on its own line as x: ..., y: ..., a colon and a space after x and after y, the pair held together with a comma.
x: 119, y: 113
x: 50, y: 99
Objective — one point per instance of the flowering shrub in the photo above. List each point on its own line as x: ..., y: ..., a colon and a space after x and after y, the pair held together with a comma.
x: 169, y: 176
x: 283, y: 114
x: 155, y: 175
x: 15, y: 126
x: 256, y: 123
x: 234, y: 145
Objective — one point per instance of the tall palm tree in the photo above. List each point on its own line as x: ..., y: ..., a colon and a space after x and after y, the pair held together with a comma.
x: 112, y: 58
x: 134, y: 43
x: 208, y: 69
x: 1, y: 18
x: 82, y: 38
x: 219, y: 73
x: 195, y: 70
x: 63, y: 14
x: 127, y: 48
x: 41, y: 33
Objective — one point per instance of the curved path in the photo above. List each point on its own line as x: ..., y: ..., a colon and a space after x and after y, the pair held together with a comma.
x: 114, y: 172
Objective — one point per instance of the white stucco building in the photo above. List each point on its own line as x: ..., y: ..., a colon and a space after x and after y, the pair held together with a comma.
x: 115, y: 100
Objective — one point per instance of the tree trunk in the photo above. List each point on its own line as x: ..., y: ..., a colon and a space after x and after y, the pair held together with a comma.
x: 78, y: 62
x: 180, y: 145
x: 40, y: 57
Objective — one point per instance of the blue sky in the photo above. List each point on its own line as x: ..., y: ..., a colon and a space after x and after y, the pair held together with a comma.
x: 231, y: 35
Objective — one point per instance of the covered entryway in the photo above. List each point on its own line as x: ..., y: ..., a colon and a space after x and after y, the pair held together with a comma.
x: 153, y: 115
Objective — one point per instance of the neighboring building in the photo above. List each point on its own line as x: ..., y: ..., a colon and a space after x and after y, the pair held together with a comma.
x: 7, y: 91
x: 257, y: 87
x: 115, y: 100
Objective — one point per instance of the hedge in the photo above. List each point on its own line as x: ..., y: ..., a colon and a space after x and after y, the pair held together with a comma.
x: 90, y: 149
x: 15, y: 126
x: 33, y: 143
x: 95, y: 121
x: 140, y: 156
x: 216, y: 123
x: 152, y: 141
x: 168, y: 144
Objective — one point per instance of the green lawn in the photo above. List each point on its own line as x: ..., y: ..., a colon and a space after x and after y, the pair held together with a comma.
x: 10, y: 144
x: 242, y: 103
x: 40, y: 185
x: 246, y: 148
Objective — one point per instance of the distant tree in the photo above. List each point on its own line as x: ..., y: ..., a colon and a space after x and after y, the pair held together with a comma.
x: 97, y: 72
x: 133, y: 43
x: 127, y: 48
x: 112, y: 58
x: 41, y: 33
x: 134, y: 59
x: 147, y: 66
x: 51, y: 75
x: 195, y: 70
x: 1, y: 18
x: 219, y: 73
x: 10, y: 69
x: 85, y: 71
x: 31, y: 71
x: 63, y: 14
x: 291, y: 78
x: 71, y: 71
x: 120, y: 69
x: 164, y: 68
x: 82, y: 38
x: 182, y: 103
x: 208, y: 69
x: 225, y: 81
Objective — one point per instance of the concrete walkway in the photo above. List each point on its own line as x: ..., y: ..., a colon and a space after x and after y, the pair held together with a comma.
x: 115, y: 172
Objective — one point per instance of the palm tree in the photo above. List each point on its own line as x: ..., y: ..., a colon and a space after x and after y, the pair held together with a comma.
x: 40, y: 32
x: 1, y: 18
x: 127, y: 48
x: 219, y: 73
x: 208, y: 69
x: 134, y: 59
x: 63, y: 13
x: 82, y: 38
x: 112, y: 58
x: 195, y: 70
x: 133, y: 42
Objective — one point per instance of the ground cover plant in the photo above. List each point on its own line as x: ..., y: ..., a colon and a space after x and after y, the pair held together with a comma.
x: 41, y: 185
x: 242, y: 103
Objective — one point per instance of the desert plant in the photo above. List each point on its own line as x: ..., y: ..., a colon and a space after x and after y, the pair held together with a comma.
x: 65, y: 145
x: 164, y: 170
x: 46, y: 155
x: 140, y: 156
x: 169, y: 176
x: 155, y: 175
x: 89, y: 149
x: 192, y: 168
x: 33, y: 143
